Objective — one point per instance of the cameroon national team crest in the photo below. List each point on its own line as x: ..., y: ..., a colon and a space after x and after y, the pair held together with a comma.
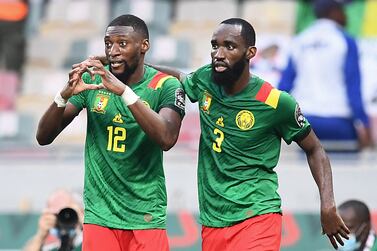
x: 206, y: 101
x: 245, y: 120
x: 100, y: 103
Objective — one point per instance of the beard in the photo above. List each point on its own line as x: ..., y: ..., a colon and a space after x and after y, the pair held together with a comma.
x: 228, y: 77
x: 126, y: 74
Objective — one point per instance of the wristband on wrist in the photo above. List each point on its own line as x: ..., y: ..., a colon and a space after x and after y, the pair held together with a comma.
x: 59, y: 100
x: 129, y: 96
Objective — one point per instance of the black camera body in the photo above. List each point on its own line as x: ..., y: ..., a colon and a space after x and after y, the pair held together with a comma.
x: 67, y: 220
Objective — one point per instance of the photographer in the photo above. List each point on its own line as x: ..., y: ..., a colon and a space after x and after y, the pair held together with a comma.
x: 50, y: 234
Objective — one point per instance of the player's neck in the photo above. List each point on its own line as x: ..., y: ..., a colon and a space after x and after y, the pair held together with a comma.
x: 137, y: 76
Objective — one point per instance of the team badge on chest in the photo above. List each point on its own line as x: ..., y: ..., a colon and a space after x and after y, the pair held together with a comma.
x: 100, y: 103
x: 245, y: 120
x: 206, y: 101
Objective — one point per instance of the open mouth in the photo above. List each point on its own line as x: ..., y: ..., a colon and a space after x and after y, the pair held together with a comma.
x: 220, y: 67
x: 116, y: 64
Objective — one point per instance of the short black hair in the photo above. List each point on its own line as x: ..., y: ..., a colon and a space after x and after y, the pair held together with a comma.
x: 360, y: 208
x: 130, y: 20
x: 247, y: 31
x: 322, y: 8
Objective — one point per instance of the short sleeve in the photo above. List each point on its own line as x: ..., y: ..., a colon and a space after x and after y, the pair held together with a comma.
x: 173, y: 96
x: 291, y: 123
x: 190, y: 85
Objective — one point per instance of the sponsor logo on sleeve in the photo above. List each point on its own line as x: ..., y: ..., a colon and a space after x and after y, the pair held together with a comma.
x: 300, y: 119
x: 180, y: 98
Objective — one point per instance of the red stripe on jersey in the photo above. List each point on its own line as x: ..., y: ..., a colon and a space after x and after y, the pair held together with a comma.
x: 156, y: 78
x: 263, y: 92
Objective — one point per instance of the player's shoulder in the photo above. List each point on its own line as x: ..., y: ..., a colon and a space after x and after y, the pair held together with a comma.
x: 157, y: 79
x: 270, y: 95
x: 202, y: 74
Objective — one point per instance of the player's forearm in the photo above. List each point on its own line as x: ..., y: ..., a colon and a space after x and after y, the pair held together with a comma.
x: 50, y: 125
x: 163, y: 131
x: 321, y: 171
x: 169, y: 70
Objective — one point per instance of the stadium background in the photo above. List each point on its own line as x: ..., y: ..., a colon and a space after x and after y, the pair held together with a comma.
x: 63, y: 32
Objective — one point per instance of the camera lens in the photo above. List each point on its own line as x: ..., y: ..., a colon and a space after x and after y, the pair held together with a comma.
x: 67, y: 219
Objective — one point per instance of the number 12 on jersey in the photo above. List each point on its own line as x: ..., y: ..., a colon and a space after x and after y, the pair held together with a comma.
x: 116, y: 135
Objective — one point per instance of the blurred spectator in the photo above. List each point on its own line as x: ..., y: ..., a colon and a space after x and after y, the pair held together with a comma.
x: 47, y: 235
x: 323, y: 74
x: 270, y: 58
x: 13, y: 14
x: 357, y: 217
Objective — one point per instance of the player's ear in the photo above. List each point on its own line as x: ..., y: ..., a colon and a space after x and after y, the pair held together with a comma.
x: 251, y: 51
x: 145, y: 46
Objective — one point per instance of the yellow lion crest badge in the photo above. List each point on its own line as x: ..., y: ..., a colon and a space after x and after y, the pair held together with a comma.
x: 245, y: 120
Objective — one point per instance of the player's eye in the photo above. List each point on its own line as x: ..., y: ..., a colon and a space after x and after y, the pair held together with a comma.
x: 230, y: 47
x: 108, y: 45
x: 123, y: 43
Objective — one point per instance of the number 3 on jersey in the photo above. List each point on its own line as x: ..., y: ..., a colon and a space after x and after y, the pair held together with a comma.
x: 216, y: 146
x: 115, y: 136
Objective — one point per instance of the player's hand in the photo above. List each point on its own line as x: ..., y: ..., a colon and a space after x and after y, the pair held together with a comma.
x: 109, y: 81
x: 333, y: 226
x: 75, y: 83
x: 102, y: 58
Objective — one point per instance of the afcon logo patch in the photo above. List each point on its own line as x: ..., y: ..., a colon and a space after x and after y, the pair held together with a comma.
x: 180, y: 98
x: 245, y: 120
x: 300, y: 119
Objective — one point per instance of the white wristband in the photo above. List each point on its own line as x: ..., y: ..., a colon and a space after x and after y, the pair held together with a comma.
x: 59, y: 100
x: 129, y: 96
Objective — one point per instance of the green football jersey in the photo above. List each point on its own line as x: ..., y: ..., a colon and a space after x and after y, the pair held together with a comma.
x: 124, y: 183
x: 240, y: 145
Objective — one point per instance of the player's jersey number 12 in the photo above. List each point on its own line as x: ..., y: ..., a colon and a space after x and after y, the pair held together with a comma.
x: 116, y: 138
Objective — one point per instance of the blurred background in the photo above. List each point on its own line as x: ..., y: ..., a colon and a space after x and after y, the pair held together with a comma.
x: 54, y: 34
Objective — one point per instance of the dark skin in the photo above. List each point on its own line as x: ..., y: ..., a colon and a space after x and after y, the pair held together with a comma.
x: 228, y: 47
x: 124, y: 46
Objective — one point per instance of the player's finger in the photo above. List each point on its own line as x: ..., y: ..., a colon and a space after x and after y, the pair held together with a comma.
x: 101, y: 86
x: 343, y: 233
x: 338, y: 239
x: 98, y: 71
x: 333, y: 242
x: 93, y: 87
x: 346, y: 229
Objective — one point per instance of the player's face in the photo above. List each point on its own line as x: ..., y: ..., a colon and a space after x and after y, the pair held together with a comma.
x: 228, y: 54
x: 124, y: 49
